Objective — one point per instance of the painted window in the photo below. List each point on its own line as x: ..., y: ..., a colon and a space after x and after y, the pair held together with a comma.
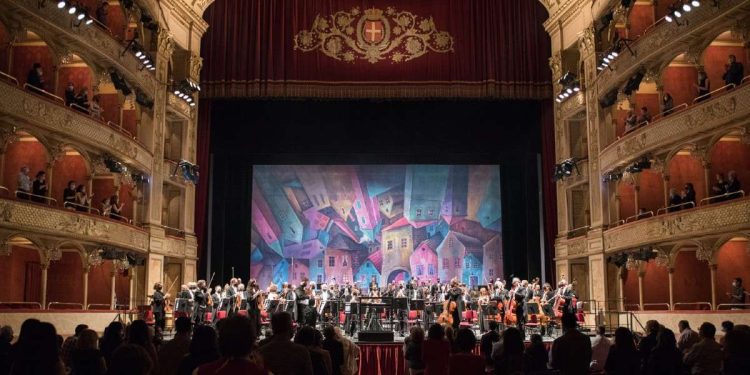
x: 457, y: 262
x: 319, y: 279
x: 420, y: 270
x: 331, y: 261
x: 419, y: 212
x: 404, y: 242
x: 446, y: 262
x: 389, y: 245
x: 430, y: 269
x: 320, y: 263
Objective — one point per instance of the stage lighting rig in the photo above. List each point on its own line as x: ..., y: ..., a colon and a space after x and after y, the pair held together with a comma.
x: 185, y: 90
x: 189, y: 171
x: 142, y: 99
x: 680, y: 8
x: 77, y: 10
x: 566, y: 167
x: 119, y: 83
x: 639, y: 166
x: 570, y: 86
x: 114, y: 165
x: 609, y: 57
x: 612, y: 176
x: 145, y: 60
x: 619, y: 260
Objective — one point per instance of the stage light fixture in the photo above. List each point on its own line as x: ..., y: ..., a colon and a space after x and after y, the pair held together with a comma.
x: 668, y: 18
x: 695, y: 3
x: 72, y: 9
x: 61, y: 4
x: 81, y: 15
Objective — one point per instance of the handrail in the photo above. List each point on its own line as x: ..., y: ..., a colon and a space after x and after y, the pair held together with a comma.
x: 37, y: 304
x: 50, y: 199
x: 627, y: 305
x: 640, y: 216
x: 44, y: 92
x: 121, y: 217
x: 741, y: 193
x: 673, y: 110
x: 73, y: 304
x: 74, y: 105
x: 88, y: 208
x: 647, y: 29
x: 105, y: 305
x: 710, y: 306
x: 722, y: 88
x: 666, y: 209
x: 120, y: 128
x: 5, y: 189
x: 103, y: 26
x: 730, y: 305
x: 657, y: 304
x: 575, y: 230
x: 617, y: 223
x: 8, y: 77
x: 747, y: 77
x: 179, y: 231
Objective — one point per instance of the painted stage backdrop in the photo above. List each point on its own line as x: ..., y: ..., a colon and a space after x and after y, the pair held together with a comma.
x: 394, y: 222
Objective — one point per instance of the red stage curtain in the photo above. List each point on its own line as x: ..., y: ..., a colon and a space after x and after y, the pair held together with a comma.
x: 201, y: 190
x: 500, y: 51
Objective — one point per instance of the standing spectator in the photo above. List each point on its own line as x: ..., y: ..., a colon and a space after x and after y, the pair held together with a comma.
x: 571, y: 352
x: 507, y: 353
x: 719, y: 188
x: 702, y: 86
x: 623, y: 355
x: 737, y: 351
x: 70, y: 343
x: 86, y: 359
x: 413, y: 350
x: 96, y: 107
x: 733, y: 185
x: 106, y: 207
x: 280, y: 354
x: 351, y: 354
x: 436, y: 351
x: 6, y: 337
x: 35, y: 78
x: 203, y: 349
x: 464, y: 361
x: 535, y: 356
x: 733, y: 72
x: 665, y: 359
x: 111, y: 340
x: 631, y: 122
x: 648, y: 343
x: 70, y: 94
x: 309, y: 337
x: 39, y: 187
x: 737, y: 296
x: 102, y: 11
x: 645, y: 117
x: 688, y: 194
x: 130, y: 359
x: 172, y: 352
x: 485, y: 345
x: 667, y: 104
x: 38, y: 352
x: 69, y: 194
x: 674, y: 201
x: 599, y: 349
x: 82, y: 100
x: 688, y: 337
x: 236, y: 339
x: 116, y: 207
x: 138, y: 334
x: 83, y: 199
x: 334, y: 347
x: 24, y: 183
x: 705, y: 357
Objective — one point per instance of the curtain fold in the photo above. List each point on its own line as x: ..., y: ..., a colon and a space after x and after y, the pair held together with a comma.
x: 499, y: 50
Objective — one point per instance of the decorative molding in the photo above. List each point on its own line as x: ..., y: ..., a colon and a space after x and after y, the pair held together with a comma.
x: 555, y: 65
x: 179, y: 106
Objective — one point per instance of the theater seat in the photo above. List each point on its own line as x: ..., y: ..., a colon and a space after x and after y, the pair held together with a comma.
x: 242, y: 313
x: 221, y: 314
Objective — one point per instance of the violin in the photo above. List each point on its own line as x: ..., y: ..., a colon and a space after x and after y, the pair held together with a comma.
x: 446, y: 317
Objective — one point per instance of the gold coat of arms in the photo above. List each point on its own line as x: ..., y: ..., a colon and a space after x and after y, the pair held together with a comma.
x: 373, y: 35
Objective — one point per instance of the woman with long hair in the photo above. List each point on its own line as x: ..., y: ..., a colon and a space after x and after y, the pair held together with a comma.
x: 665, y: 358
x: 623, y: 358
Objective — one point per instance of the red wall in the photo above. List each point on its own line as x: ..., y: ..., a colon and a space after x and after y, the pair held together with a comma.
x: 110, y: 104
x: 655, y: 285
x: 692, y: 279
x: 100, y: 283
x: 129, y: 122
x: 619, y: 119
x: 731, y: 155
x: 65, y: 279
x: 650, y: 101
x: 19, y: 154
x: 683, y: 169
x: 651, y: 194
x: 661, y: 7
x: 24, y: 58
x: 678, y: 81
x: 13, y: 275
x: 641, y: 17
x: 4, y: 49
x: 116, y: 21
x: 714, y: 59
x: 80, y: 76
x: 68, y: 167
x: 733, y: 261
x: 626, y: 192
x: 630, y: 288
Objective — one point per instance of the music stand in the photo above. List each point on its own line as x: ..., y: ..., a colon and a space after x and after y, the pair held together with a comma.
x: 417, y: 304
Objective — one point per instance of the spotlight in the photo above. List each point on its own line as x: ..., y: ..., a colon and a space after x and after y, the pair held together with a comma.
x: 61, y: 4
x: 146, y: 61
x: 569, y: 91
x: 668, y: 18
x: 81, y: 15
x: 89, y: 21
x: 607, y: 60
x: 615, y: 54
x: 558, y: 100
x: 138, y: 53
x: 677, y: 14
x: 142, y: 56
x: 686, y: 7
x: 192, y: 104
x: 695, y: 3
x: 576, y: 89
x: 72, y: 9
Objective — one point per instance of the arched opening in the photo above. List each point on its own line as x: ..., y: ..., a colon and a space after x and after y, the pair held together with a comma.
x: 29, y: 51
x: 26, y: 151
x: 655, y: 287
x: 100, y: 286
x: 678, y: 80
x: 732, y: 261
x: 398, y: 275
x: 716, y: 56
x: 70, y: 167
x: 626, y: 197
x: 691, y: 280
x: 65, y: 281
x: 107, y: 186
x: 76, y: 83
x: 730, y: 154
x: 22, y: 273
x: 684, y: 168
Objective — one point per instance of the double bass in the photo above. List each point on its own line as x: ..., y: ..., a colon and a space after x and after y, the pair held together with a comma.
x: 510, y: 311
x: 446, y: 317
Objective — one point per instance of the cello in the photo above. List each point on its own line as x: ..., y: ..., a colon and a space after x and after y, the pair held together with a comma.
x: 446, y: 317
x: 510, y: 311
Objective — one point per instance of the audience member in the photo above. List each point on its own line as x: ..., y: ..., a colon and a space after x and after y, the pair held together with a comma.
x: 571, y: 352
x: 334, y: 347
x: 450, y: 335
x: 39, y: 187
x: 35, y: 77
x: 351, y: 354
x: 436, y: 351
x: 86, y: 359
x: 726, y: 327
x: 70, y: 343
x: 172, y: 352
x: 645, y: 117
x: 24, y: 184
x: 665, y: 358
x: 485, y: 344
x: 130, y: 359
x: 236, y: 339
x: 111, y: 339
x: 648, y: 343
x: 535, y: 356
x: 688, y: 195
x: 508, y: 353
x: 83, y: 199
x: 463, y: 360
x: 138, y: 334
x: 600, y: 346
x: 705, y: 357
x: 733, y: 185
x: 70, y: 94
x: 37, y: 351
x: 737, y: 351
x: 687, y: 338
x: 667, y: 104
x: 702, y: 86
x: 733, y: 72
x: 82, y: 100
x: 631, y: 122
x: 674, y: 201
x: 96, y: 107
x: 737, y: 296
x: 6, y: 337
x: 204, y: 348
x: 310, y: 338
x: 413, y: 350
x: 116, y: 207
x: 69, y: 194
x: 280, y: 354
x: 623, y: 356
x: 102, y: 11
x: 719, y: 187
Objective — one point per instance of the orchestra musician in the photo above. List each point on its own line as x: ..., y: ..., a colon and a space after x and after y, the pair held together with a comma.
x: 519, y: 295
x: 157, y: 305
x: 547, y: 300
x: 454, y: 294
x: 252, y: 301
x: 302, y: 300
x: 482, y: 303
x: 200, y: 298
x: 216, y: 298
x: 230, y: 292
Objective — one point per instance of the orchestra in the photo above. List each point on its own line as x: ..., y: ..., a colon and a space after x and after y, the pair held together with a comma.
x: 374, y: 306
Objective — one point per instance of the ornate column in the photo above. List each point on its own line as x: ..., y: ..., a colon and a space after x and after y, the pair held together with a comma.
x: 641, y: 273
x: 706, y: 177
x: 636, y: 190
x: 712, y: 267
x: 666, y: 189
x: 621, y: 288
x: 132, y: 278
x: 86, y: 286
x: 112, y: 294
x: 671, y: 287
x: 43, y: 293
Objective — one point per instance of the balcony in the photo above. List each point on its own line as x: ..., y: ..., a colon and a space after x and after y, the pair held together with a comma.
x: 96, y: 45
x: 729, y: 108
x: 42, y: 219
x: 727, y: 217
x: 178, y: 106
x: 571, y: 247
x: 48, y: 112
x: 664, y: 40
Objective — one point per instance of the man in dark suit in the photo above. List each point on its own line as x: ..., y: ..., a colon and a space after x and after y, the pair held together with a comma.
x: 733, y: 72
x: 157, y: 306
x: 571, y: 352
x: 231, y: 293
x: 302, y: 301
x: 280, y: 354
x: 35, y: 76
x: 334, y: 347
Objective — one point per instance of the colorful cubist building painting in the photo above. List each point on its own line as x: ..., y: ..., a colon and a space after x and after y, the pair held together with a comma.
x: 392, y: 222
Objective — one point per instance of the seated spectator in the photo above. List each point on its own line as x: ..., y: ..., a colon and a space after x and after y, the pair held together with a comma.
x: 599, y: 349
x: 116, y: 207
x: 733, y: 185
x: 37, y: 350
x: 102, y: 11
x: 508, y: 353
x: 83, y: 199
x: 436, y: 351
x: 280, y: 354
x: 111, y: 339
x: 309, y: 337
x: 645, y: 117
x: 733, y: 72
x: 6, y: 337
x: 719, y: 188
x: 667, y: 104
x: 172, y: 352
x: 82, y: 100
x: 413, y: 350
x: 334, y: 347
x: 96, y: 108
x: 130, y: 359
x: 688, y: 195
x: 623, y: 356
x: 674, y: 201
x: 705, y: 356
x: 86, y: 359
x: 70, y: 94
x: 236, y: 339
x: 631, y: 122
x: 70, y: 343
x: 486, y: 343
x: 69, y: 194
x: 39, y: 187
x: 665, y: 358
x: 139, y: 334
x: 24, y: 184
x: 535, y: 356
x: 203, y: 349
x: 35, y: 78
x: 463, y: 360
x: 687, y: 338
x: 648, y: 342
x: 571, y: 352
x: 702, y: 86
x: 737, y: 351
x: 726, y: 327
